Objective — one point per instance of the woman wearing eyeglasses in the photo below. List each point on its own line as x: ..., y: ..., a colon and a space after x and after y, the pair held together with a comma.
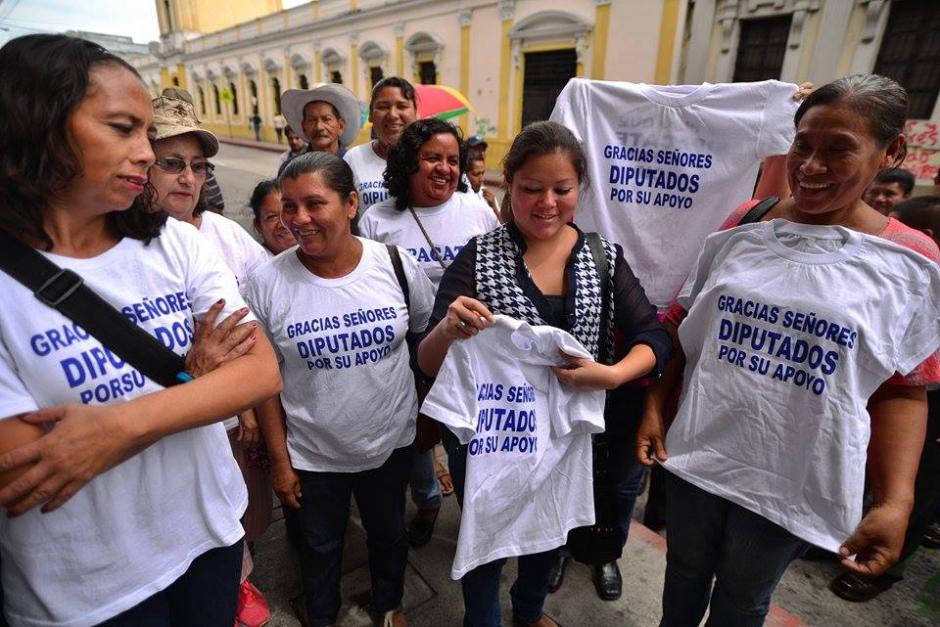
x: 177, y: 177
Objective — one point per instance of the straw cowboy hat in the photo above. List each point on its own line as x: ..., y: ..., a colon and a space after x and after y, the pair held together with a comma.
x: 174, y: 117
x: 293, y: 102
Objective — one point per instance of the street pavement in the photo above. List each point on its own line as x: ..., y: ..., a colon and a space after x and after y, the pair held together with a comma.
x: 432, y: 599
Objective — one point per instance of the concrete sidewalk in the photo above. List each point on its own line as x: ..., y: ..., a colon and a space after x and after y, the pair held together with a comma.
x: 432, y: 599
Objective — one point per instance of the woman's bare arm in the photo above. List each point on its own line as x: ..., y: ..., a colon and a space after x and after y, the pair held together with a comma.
x: 90, y: 439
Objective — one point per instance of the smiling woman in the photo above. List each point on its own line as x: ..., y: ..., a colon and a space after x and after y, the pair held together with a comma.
x: 770, y: 478
x: 344, y: 424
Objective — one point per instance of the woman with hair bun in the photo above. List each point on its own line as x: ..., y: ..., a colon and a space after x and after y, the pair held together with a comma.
x: 807, y: 340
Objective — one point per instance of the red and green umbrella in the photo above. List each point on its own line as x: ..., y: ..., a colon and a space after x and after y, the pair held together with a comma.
x: 441, y: 101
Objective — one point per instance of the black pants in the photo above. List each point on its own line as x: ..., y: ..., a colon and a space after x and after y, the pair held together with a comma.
x: 324, y: 513
x: 205, y: 596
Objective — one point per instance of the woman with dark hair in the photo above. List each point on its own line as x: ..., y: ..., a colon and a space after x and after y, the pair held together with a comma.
x: 139, y: 491
x: 265, y: 204
x: 537, y: 268
x: 427, y: 217
x: 808, y: 338
x: 344, y: 424
x: 392, y: 108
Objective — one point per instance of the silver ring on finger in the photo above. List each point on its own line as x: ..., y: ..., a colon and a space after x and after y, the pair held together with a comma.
x: 461, y: 325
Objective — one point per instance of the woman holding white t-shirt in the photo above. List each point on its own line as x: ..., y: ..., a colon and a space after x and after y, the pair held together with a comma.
x: 140, y: 493
x: 765, y: 453
x: 539, y: 268
x: 392, y: 108
x: 345, y: 421
x: 429, y: 218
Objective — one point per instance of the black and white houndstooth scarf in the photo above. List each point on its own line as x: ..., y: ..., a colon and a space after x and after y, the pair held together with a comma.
x: 497, y: 256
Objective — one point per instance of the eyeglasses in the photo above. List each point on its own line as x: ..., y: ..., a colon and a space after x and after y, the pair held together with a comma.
x: 175, y: 166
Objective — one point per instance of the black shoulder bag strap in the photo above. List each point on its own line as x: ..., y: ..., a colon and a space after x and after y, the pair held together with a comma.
x: 400, y: 274
x: 759, y: 210
x: 65, y: 291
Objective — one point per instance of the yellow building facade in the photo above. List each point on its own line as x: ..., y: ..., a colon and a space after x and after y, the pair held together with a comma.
x: 509, y: 57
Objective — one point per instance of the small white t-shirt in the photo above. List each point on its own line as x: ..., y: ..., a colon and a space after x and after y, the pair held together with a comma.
x: 791, y: 329
x: 669, y: 163
x: 134, y: 529
x: 349, y: 394
x: 368, y: 169
x: 529, y: 463
x: 450, y: 226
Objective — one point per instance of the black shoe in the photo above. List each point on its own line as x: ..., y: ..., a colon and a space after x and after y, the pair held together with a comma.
x: 859, y: 588
x: 931, y: 538
x: 607, y: 581
x: 422, y: 527
x: 556, y: 576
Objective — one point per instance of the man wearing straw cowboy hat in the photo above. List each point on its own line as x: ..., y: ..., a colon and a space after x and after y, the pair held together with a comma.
x: 328, y: 115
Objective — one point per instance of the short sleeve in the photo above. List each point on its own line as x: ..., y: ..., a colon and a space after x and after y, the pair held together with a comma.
x: 367, y: 223
x: 697, y: 276
x: 569, y: 108
x: 920, y: 338
x: 459, y: 280
x: 15, y: 399
x: 208, y: 279
x: 777, y: 129
x: 452, y: 400
x: 259, y: 303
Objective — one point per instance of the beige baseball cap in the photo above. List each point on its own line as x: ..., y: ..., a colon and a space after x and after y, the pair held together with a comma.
x: 174, y: 117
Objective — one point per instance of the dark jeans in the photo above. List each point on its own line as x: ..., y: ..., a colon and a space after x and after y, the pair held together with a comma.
x: 481, y: 590
x: 624, y: 409
x: 204, y: 596
x: 710, y: 537
x: 324, y: 513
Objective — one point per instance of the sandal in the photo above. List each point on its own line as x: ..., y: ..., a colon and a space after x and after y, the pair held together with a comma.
x: 443, y: 477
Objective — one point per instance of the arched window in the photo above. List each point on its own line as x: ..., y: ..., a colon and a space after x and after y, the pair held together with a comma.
x: 276, y: 88
x: 231, y: 88
x: 253, y: 90
x: 218, y: 100
x: 425, y: 50
x: 427, y: 73
x: 336, y: 77
x: 176, y: 81
x: 202, y: 99
x: 302, y: 81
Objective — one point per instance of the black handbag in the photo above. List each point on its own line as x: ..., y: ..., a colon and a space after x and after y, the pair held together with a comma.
x: 601, y: 542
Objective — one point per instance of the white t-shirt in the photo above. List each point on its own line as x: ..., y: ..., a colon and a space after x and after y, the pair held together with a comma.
x: 136, y: 528
x: 349, y: 394
x: 368, y: 169
x: 668, y: 164
x: 529, y: 462
x: 241, y: 253
x: 790, y: 330
x: 450, y: 226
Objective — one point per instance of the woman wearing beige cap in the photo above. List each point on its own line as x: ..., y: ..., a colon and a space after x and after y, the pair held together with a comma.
x: 177, y: 178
